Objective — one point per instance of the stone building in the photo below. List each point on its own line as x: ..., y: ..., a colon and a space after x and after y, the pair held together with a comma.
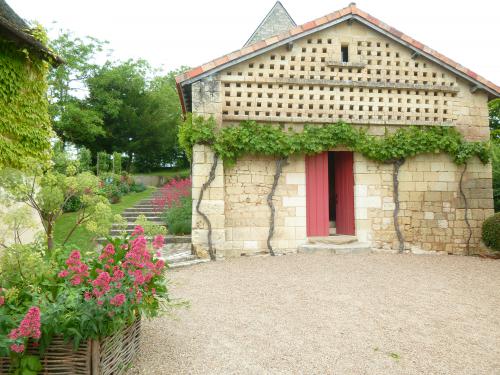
x: 352, y: 67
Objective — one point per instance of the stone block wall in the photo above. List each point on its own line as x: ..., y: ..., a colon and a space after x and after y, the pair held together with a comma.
x: 432, y: 211
x: 247, y: 185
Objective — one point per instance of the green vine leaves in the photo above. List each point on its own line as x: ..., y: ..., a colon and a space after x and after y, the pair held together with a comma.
x: 25, y: 129
x: 249, y: 137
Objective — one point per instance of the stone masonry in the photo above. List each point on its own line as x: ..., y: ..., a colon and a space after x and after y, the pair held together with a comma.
x: 383, y: 87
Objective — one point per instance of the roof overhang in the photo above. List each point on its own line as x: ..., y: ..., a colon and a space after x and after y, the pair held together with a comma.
x: 11, y: 31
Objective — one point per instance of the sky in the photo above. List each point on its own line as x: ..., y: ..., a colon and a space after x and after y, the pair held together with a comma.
x: 170, y: 34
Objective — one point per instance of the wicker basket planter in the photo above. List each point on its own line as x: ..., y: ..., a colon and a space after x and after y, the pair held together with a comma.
x: 111, y: 355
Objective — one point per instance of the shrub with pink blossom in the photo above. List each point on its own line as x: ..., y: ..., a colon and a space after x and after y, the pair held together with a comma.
x: 174, y: 200
x: 84, y: 296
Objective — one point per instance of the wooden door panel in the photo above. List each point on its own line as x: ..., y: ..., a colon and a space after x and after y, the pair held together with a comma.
x: 317, y: 195
x: 344, y: 190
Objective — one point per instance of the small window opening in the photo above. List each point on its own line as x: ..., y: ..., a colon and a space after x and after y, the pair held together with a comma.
x: 344, y: 51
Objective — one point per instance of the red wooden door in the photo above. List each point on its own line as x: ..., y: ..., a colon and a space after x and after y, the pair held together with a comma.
x: 344, y: 191
x: 317, y: 195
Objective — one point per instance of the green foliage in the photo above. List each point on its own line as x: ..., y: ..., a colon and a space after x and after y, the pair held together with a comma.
x: 137, y: 187
x: 178, y: 217
x: 75, y: 298
x: 495, y: 146
x: 117, y: 162
x: 491, y: 232
x: 140, y: 115
x: 494, y: 113
x: 85, y: 159
x: 150, y: 228
x: 48, y: 192
x: 73, y: 119
x: 231, y: 142
x: 24, y: 120
x: 196, y: 130
x: 103, y: 162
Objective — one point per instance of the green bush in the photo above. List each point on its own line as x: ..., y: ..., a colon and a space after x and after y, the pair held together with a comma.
x: 73, y: 204
x: 85, y: 159
x: 138, y: 188
x: 178, y: 217
x: 495, y: 147
x: 491, y: 232
x: 103, y: 162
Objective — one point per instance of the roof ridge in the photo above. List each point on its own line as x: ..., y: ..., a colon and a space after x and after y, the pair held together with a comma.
x: 353, y: 11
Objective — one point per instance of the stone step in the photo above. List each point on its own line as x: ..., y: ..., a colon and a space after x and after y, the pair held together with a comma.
x: 168, y: 239
x: 138, y: 209
x: 349, y: 248
x: 146, y: 214
x: 132, y: 225
x: 335, y: 240
x: 188, y: 263
x: 133, y: 218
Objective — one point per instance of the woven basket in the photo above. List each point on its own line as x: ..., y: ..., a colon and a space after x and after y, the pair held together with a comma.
x: 111, y: 355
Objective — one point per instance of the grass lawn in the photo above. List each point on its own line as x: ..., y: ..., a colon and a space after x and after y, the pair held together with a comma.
x: 168, y: 173
x: 81, y: 237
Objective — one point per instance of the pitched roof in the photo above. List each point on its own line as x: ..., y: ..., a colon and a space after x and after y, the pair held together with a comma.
x: 350, y: 12
x: 275, y: 22
x: 14, y: 27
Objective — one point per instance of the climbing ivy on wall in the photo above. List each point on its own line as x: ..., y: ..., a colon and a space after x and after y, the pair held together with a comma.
x: 25, y: 129
x: 249, y: 137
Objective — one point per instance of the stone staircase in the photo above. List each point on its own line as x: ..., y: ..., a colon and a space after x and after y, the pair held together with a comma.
x: 177, y: 249
x: 338, y: 244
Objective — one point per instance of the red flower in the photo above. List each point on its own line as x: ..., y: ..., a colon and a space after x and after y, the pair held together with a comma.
x: 118, y: 300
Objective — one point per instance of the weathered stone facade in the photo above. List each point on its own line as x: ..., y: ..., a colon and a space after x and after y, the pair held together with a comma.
x: 382, y: 87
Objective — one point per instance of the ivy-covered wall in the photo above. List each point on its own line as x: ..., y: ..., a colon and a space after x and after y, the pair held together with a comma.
x: 25, y: 128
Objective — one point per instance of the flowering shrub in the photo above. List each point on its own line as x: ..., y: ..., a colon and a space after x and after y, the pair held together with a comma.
x: 174, y: 200
x: 172, y: 192
x: 85, y: 295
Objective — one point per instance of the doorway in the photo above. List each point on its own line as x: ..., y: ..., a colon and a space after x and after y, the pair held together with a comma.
x: 330, y: 194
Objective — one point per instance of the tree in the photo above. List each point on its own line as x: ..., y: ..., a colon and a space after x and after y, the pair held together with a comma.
x: 73, y: 120
x: 47, y: 192
x: 494, y: 114
x: 140, y: 114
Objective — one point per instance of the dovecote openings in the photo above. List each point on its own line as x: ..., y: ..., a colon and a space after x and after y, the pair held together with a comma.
x: 342, y: 73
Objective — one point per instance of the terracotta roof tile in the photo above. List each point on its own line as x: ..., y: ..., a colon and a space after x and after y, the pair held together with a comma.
x: 352, y: 9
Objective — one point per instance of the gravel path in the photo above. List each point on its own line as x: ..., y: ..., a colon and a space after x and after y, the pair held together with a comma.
x: 317, y: 314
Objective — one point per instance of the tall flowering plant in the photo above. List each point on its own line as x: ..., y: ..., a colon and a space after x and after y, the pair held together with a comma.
x: 108, y: 291
x: 171, y: 193
x: 85, y: 296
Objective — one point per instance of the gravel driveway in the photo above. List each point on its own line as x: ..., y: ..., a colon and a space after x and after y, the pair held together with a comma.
x: 340, y: 314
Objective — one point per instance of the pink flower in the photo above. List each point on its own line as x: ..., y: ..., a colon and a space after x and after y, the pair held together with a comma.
x: 87, y: 296
x: 138, y: 296
x: 76, y: 280
x: 118, y: 300
x: 14, y: 334
x: 2, y: 300
x: 63, y: 273
x: 138, y: 230
x: 18, y: 348
x: 28, y: 328
x: 158, y: 241
x: 30, y: 325
x: 108, y: 251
